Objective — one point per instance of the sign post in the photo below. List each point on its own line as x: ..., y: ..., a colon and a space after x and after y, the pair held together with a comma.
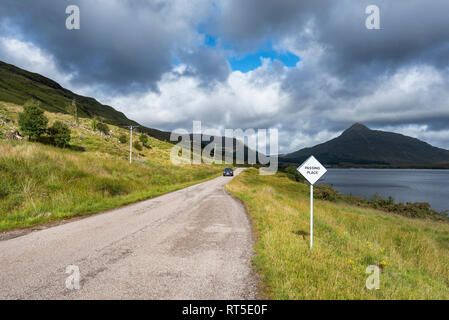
x: 312, y: 170
x: 311, y: 216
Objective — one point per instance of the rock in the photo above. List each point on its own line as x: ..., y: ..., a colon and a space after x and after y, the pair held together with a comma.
x: 15, y: 135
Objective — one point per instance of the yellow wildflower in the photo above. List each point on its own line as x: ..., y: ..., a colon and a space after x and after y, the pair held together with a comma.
x: 351, y: 261
x: 383, y: 262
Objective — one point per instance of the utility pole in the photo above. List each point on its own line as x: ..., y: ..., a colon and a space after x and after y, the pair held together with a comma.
x: 131, y: 143
x: 76, y: 112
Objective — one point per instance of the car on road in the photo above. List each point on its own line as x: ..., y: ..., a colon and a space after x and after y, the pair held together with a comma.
x: 228, y: 172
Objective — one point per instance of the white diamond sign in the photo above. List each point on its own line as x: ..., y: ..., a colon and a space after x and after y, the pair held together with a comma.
x: 312, y: 170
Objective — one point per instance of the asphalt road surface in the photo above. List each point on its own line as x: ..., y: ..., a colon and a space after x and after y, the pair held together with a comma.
x: 194, y: 243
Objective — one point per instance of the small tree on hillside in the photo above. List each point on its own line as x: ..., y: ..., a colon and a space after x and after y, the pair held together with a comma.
x: 32, y: 120
x: 123, y: 138
x: 137, y: 145
x: 94, y: 123
x: 144, y: 139
x: 102, y: 127
x: 60, y: 134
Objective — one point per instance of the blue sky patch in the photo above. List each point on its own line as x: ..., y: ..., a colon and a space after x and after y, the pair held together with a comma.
x: 210, y: 41
x: 252, y: 61
x: 245, y: 62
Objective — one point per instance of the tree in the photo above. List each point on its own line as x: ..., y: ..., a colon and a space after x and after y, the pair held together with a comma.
x: 102, y: 127
x: 59, y: 134
x: 32, y: 120
x: 137, y: 145
x: 94, y: 123
x: 123, y: 138
x: 144, y: 139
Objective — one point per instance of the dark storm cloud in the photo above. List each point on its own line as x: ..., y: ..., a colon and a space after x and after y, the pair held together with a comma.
x: 411, y: 31
x: 410, y: 28
x: 207, y: 64
x: 247, y: 24
x: 122, y: 45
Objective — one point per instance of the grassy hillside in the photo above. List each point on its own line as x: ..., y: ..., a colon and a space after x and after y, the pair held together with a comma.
x: 41, y: 183
x: 413, y: 254
x: 18, y: 85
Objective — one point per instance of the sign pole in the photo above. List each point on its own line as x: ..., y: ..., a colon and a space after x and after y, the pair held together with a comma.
x: 312, y: 170
x: 311, y: 216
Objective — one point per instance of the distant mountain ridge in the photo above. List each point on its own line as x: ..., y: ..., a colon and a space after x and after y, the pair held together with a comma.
x: 359, y: 146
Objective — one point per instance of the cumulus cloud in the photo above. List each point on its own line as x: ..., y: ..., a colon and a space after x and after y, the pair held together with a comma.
x: 239, y: 102
x: 32, y: 58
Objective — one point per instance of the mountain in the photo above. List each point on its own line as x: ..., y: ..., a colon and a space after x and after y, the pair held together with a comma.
x: 18, y: 85
x: 360, y: 146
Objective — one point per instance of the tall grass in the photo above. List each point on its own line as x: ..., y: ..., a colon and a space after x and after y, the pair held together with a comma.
x: 41, y: 183
x: 413, y: 254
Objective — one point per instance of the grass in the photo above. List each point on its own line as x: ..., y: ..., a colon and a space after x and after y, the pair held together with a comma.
x: 41, y: 183
x: 413, y: 254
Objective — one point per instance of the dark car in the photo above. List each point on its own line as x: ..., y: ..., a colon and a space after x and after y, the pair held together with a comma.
x: 228, y: 172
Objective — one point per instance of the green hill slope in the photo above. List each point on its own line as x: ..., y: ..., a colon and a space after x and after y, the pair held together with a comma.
x: 18, y: 85
x: 412, y: 254
x: 40, y: 183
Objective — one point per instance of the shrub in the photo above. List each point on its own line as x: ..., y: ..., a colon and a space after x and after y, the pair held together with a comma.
x: 137, y: 145
x: 294, y: 175
x: 102, y: 127
x: 32, y: 121
x: 325, y: 192
x: 376, y: 197
x: 144, y: 139
x: 59, y: 134
x: 93, y: 124
x: 123, y: 138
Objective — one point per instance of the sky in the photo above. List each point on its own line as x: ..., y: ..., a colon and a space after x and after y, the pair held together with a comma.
x: 307, y: 68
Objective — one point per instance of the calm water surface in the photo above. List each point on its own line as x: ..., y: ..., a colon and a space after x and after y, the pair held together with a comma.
x: 404, y: 185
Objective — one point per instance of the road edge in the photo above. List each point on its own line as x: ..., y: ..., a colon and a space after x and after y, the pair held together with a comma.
x: 254, y: 238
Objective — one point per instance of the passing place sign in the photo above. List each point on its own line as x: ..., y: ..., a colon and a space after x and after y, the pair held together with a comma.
x: 312, y: 170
